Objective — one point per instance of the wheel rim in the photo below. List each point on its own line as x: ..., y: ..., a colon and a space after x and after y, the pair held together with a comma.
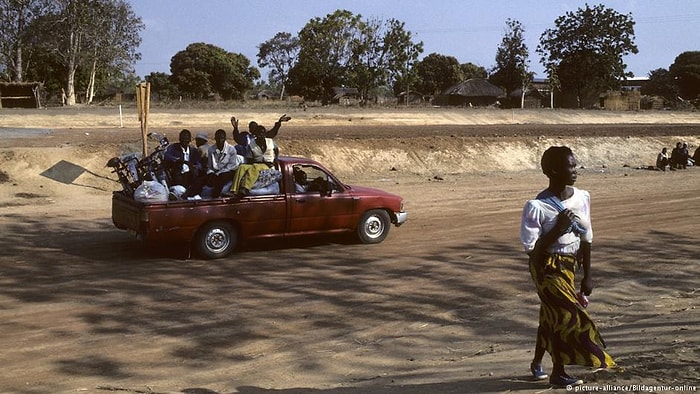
x: 217, y: 240
x: 374, y: 227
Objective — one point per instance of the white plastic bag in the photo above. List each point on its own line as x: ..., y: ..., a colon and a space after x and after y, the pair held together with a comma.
x: 151, y: 191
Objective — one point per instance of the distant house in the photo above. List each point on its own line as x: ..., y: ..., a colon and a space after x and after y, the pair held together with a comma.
x: 634, y: 83
x: 533, y: 98
x: 472, y: 92
x: 629, y: 100
x: 346, y: 96
x: 264, y: 95
x: 410, y: 98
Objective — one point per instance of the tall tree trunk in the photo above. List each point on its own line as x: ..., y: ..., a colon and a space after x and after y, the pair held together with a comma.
x: 70, y: 87
x: 17, y: 77
x: 73, y: 49
x: 90, y: 91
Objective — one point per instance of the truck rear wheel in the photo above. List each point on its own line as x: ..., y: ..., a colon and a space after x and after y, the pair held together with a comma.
x: 215, y: 240
x: 374, y: 226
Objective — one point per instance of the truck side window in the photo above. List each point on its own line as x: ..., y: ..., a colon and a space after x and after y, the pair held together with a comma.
x: 310, y: 179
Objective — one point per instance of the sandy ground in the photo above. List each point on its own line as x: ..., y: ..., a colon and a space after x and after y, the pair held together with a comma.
x: 444, y: 305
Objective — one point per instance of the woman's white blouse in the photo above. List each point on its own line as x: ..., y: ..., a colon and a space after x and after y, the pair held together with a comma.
x: 539, y: 217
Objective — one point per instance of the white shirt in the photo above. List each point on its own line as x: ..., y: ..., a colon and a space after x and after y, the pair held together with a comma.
x: 224, y: 160
x: 540, y: 217
x: 186, y: 157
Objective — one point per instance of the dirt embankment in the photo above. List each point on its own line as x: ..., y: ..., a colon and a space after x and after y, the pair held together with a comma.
x: 428, y: 141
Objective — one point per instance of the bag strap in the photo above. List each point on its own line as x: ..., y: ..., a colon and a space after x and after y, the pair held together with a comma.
x: 549, y: 197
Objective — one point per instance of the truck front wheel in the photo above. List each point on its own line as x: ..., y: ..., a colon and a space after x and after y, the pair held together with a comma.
x: 374, y: 226
x: 215, y: 240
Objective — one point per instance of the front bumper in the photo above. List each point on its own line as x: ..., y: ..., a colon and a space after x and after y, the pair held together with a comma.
x: 400, y: 218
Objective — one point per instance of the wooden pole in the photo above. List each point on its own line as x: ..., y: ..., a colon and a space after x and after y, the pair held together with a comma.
x: 143, y: 92
x: 147, y: 106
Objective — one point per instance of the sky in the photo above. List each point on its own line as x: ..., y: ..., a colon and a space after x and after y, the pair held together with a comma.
x: 469, y: 30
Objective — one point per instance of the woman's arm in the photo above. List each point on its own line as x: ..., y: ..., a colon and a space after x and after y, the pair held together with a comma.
x: 584, y: 257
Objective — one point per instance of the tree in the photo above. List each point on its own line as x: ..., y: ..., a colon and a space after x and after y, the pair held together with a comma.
x: 342, y: 49
x: 438, y: 72
x: 324, y: 54
x: 686, y: 72
x: 112, y: 39
x: 661, y: 83
x: 280, y: 53
x: 402, y: 58
x: 585, y: 51
x: 88, y: 35
x: 471, y: 71
x: 16, y: 19
x: 511, y: 71
x: 162, y: 85
x: 381, y: 55
x: 204, y: 69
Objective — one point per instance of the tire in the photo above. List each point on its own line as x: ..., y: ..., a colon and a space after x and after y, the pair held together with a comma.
x: 216, y: 240
x: 374, y: 226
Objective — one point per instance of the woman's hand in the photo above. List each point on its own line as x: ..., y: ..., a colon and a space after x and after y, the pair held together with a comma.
x: 587, y: 285
x: 564, y: 221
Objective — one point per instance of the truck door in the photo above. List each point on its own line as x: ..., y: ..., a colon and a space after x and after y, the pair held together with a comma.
x: 313, y: 209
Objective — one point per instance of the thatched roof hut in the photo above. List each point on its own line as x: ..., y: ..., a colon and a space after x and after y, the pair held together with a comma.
x: 472, y: 92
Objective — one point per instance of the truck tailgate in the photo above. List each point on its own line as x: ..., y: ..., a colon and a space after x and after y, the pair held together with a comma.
x: 126, y: 212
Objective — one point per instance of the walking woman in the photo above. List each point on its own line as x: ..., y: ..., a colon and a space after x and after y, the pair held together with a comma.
x: 556, y: 233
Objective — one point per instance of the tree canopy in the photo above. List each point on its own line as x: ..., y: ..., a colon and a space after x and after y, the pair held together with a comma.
x: 511, y: 71
x: 661, y: 83
x: 342, y: 49
x: 86, y: 36
x: 685, y: 70
x: 205, y: 69
x: 280, y: 53
x: 584, y: 51
x: 437, y: 72
x: 16, y: 20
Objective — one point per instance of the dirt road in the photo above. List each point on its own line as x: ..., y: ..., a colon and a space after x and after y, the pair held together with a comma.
x: 444, y: 305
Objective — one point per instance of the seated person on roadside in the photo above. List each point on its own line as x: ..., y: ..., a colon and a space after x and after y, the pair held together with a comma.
x: 685, y: 154
x: 202, y: 142
x: 678, y: 159
x: 662, y: 160
x: 223, y: 163
x: 184, y: 165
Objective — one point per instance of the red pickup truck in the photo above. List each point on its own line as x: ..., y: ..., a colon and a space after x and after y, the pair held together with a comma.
x: 322, y: 205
